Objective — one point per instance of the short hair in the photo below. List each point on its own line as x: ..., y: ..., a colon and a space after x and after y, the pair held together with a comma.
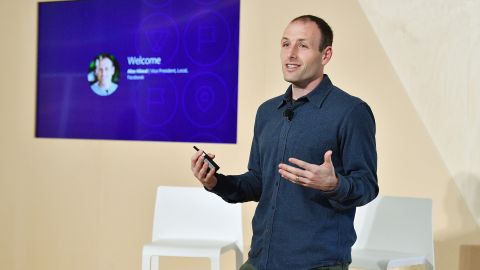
x: 94, y: 63
x: 325, y: 29
x: 102, y: 56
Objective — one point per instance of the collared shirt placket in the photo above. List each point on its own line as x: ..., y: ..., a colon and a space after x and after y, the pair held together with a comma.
x: 282, y: 145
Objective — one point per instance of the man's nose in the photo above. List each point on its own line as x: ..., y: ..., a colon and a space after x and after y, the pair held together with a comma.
x: 292, y: 52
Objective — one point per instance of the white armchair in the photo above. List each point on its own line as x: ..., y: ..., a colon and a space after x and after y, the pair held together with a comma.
x: 394, y: 232
x: 192, y: 222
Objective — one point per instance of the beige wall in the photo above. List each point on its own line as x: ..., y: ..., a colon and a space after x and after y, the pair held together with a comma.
x: 84, y: 204
x: 439, y: 58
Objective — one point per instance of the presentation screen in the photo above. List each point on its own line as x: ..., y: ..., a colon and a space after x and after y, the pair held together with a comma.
x: 155, y: 70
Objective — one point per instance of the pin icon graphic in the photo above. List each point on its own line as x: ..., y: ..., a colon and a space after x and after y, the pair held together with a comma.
x: 204, y: 97
x: 157, y: 38
x: 159, y: 35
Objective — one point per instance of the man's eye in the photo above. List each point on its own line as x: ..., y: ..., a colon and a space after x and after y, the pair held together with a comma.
x: 284, y: 44
x: 303, y: 46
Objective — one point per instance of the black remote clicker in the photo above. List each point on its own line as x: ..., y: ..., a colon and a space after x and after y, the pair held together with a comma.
x: 211, y: 163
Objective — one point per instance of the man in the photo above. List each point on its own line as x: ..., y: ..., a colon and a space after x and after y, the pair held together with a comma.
x: 104, y: 71
x: 322, y: 141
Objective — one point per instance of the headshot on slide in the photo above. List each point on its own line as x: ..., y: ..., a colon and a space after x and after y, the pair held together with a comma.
x: 104, y: 74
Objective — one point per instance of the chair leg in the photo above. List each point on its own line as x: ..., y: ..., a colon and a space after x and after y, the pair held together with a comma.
x: 154, y: 262
x: 238, y: 258
x: 146, y: 262
x: 150, y: 262
x: 215, y: 263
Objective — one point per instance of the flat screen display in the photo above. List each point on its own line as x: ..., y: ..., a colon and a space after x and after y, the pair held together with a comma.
x: 155, y: 70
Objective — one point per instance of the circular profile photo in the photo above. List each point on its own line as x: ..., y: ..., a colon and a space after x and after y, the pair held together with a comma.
x: 104, y: 74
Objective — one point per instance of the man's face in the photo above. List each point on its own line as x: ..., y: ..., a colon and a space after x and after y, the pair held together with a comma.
x: 104, y: 72
x: 302, y: 61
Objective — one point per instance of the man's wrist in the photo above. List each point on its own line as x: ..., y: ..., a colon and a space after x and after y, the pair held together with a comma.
x: 212, y: 185
x: 333, y: 183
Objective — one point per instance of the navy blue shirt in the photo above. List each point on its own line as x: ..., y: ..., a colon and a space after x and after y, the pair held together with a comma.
x: 296, y: 227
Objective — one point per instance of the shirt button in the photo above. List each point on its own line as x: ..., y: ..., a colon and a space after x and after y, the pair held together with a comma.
x: 276, y: 183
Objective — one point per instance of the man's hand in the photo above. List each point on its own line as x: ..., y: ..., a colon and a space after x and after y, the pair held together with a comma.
x: 201, y: 171
x: 321, y: 177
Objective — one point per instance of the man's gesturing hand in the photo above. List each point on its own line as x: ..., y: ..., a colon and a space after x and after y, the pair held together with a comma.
x: 201, y: 170
x: 321, y: 177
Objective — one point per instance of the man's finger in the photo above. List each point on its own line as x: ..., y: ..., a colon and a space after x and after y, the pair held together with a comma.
x: 328, y: 157
x: 203, y: 171
x: 300, y: 163
x: 287, y: 175
x: 210, y: 173
x: 198, y: 164
x: 195, y: 157
x: 291, y: 169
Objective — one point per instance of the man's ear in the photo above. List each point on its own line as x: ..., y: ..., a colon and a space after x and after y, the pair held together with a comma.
x: 326, y: 55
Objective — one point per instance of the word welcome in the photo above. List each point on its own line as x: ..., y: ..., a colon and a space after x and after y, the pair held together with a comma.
x: 143, y: 61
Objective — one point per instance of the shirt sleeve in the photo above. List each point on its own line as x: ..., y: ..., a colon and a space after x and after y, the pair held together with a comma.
x: 357, y: 181
x: 245, y: 187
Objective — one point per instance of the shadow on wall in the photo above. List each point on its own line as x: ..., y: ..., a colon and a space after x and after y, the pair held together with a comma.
x: 460, y: 227
x: 470, y: 186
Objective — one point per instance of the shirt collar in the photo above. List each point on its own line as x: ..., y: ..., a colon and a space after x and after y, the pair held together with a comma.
x: 317, y: 96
